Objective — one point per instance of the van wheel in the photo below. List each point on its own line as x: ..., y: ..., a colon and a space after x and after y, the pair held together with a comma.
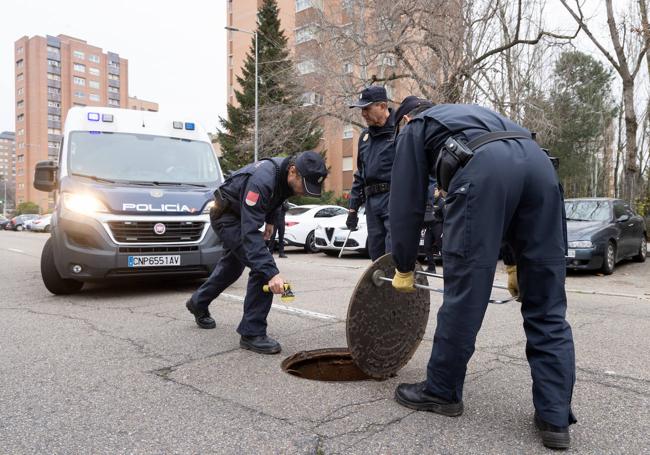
x: 51, y: 278
x: 48, y: 228
x: 609, y: 261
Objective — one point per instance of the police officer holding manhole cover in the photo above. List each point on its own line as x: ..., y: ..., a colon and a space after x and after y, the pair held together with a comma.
x: 244, y: 202
x: 375, y: 156
x: 500, y: 185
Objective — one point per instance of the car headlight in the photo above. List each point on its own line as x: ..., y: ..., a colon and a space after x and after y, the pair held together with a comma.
x: 208, y: 206
x: 84, y: 204
x: 581, y: 244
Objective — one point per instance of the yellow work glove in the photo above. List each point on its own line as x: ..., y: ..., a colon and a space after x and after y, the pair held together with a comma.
x: 404, y: 281
x: 513, y: 285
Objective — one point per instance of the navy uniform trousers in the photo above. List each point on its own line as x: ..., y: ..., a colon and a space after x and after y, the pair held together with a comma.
x: 378, y: 225
x: 509, y: 190
x: 257, y: 303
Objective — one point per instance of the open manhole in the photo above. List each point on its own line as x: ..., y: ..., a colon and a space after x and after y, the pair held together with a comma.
x: 330, y: 364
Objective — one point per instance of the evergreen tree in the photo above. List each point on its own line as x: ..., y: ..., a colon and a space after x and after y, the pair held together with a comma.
x: 285, y: 125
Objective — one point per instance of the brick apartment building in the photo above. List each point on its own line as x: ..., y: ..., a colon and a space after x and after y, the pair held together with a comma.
x: 53, y: 74
x: 7, y: 167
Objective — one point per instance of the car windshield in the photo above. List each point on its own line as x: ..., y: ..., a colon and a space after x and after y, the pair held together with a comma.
x: 298, y: 210
x: 141, y: 158
x: 588, y: 210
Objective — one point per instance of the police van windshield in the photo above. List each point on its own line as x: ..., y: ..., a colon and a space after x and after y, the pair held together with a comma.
x: 141, y: 158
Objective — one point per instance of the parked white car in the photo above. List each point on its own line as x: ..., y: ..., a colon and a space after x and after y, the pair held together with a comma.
x: 42, y: 224
x: 301, y: 222
x: 331, y: 234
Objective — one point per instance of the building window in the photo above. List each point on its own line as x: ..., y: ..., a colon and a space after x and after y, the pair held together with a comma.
x: 53, y: 104
x: 19, y: 63
x: 113, y: 89
x: 19, y: 50
x: 80, y: 68
x: 348, y: 68
x: 53, y: 91
x: 19, y: 91
x: 387, y: 59
x: 114, y: 77
x: 20, y: 132
x: 53, y: 131
x: 347, y: 164
x: 348, y: 131
x: 52, y: 144
x: 94, y: 71
x: 79, y: 81
x: 306, y: 67
x: 312, y: 98
x: 54, y: 50
x: 93, y: 97
x: 305, y: 34
x: 93, y: 58
x: 20, y: 117
x: 53, y: 77
x: 93, y: 84
x: 79, y: 94
x: 78, y: 54
x: 19, y: 77
x: 304, y: 4
x: 53, y: 63
x: 54, y: 117
x: 113, y: 103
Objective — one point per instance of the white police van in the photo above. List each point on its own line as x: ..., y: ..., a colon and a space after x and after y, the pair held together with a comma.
x: 133, y: 190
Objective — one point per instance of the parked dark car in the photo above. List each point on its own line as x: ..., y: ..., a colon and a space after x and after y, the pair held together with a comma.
x: 601, y: 232
x: 3, y: 222
x: 17, y: 223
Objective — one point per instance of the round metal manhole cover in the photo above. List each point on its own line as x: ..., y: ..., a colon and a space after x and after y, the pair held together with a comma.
x: 384, y: 327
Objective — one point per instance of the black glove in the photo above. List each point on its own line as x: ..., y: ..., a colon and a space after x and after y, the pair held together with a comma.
x: 352, y: 221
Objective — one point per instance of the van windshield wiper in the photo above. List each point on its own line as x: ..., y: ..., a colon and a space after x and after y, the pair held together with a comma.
x: 576, y: 219
x: 159, y: 183
x: 93, y: 177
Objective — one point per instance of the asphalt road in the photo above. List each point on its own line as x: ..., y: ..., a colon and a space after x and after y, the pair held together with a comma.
x: 122, y: 368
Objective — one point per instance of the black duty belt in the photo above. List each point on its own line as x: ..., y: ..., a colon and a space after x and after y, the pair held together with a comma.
x: 376, y: 189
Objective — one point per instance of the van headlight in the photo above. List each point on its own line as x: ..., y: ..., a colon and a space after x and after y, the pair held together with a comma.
x: 84, y: 204
x: 581, y: 244
x: 208, y: 206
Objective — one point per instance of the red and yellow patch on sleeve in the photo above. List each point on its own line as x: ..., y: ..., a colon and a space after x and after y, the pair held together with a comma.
x: 252, y: 198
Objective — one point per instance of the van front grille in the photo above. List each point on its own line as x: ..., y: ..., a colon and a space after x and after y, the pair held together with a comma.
x: 156, y: 232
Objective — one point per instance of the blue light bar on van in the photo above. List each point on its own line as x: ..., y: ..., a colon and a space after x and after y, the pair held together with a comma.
x: 107, y: 118
x: 189, y: 126
x: 93, y: 116
x: 178, y: 125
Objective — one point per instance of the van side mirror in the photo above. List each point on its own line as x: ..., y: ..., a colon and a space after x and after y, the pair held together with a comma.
x: 45, y: 176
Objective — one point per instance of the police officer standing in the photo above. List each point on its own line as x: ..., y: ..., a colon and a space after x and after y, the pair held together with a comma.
x: 247, y: 199
x: 500, y: 186
x: 278, y: 229
x: 375, y: 155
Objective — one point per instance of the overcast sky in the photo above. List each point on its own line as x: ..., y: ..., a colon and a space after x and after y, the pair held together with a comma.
x: 176, y: 49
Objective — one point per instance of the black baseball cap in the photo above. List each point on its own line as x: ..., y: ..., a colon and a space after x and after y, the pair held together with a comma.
x: 369, y: 95
x: 408, y: 104
x: 311, y: 166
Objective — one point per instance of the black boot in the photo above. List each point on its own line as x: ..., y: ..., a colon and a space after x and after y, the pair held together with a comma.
x: 261, y: 344
x: 415, y: 396
x: 553, y: 437
x: 202, y: 317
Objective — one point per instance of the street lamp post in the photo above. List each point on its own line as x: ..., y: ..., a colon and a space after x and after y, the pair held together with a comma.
x: 254, y: 33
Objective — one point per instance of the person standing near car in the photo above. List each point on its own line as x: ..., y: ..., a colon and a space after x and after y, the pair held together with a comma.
x: 247, y: 199
x: 371, y: 184
x: 278, y: 229
x: 500, y: 186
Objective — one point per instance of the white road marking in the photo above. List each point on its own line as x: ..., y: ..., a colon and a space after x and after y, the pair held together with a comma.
x: 15, y: 250
x: 290, y: 309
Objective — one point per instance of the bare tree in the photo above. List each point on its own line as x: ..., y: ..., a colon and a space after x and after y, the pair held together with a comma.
x: 627, y: 62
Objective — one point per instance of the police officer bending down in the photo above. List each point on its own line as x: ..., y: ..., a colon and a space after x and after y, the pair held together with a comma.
x: 375, y: 156
x: 500, y: 187
x: 247, y: 199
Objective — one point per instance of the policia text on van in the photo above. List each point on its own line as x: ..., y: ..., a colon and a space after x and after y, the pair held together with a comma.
x: 133, y: 191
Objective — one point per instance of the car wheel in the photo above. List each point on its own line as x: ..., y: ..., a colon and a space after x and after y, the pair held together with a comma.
x: 310, y: 243
x: 19, y: 227
x: 609, y: 261
x: 643, y: 250
x: 48, y: 228
x: 51, y: 277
